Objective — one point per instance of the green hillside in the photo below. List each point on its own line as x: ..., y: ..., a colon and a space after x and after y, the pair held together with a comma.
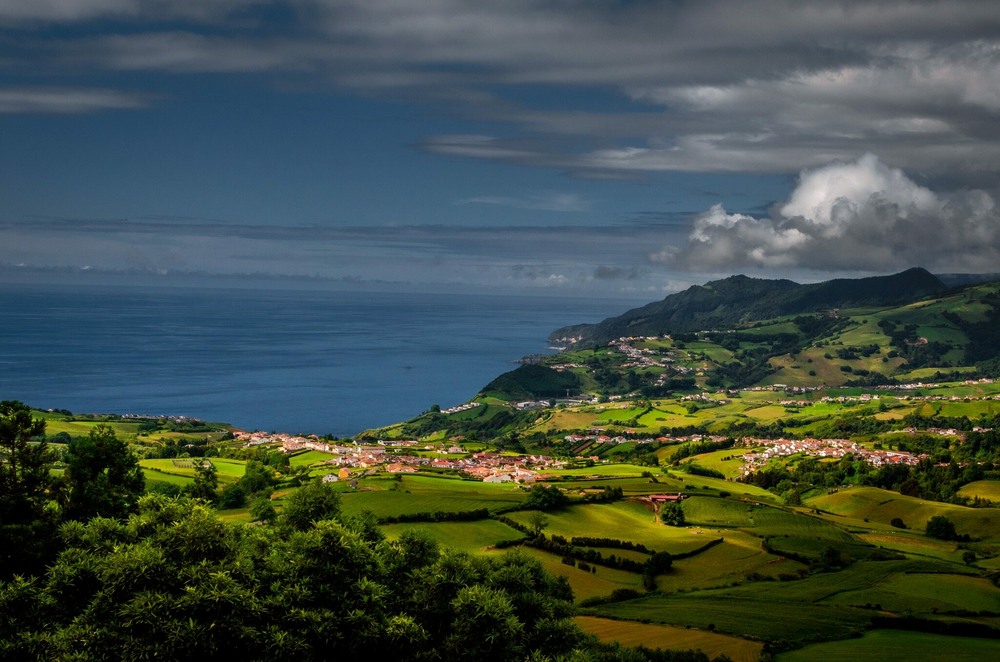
x: 737, y: 300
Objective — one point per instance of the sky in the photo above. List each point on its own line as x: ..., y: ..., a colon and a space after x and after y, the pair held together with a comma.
x: 557, y: 147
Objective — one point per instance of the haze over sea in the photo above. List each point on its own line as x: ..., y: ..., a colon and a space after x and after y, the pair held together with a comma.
x: 286, y: 360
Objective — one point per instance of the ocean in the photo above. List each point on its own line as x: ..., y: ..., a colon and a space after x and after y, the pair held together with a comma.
x: 299, y: 361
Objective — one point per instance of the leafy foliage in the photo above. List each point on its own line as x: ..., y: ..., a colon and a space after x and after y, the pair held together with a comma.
x: 28, y: 516
x: 673, y: 515
x: 173, y: 582
x: 104, y: 476
x: 543, y: 497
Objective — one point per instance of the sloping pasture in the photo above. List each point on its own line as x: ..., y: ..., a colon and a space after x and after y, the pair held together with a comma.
x: 464, y: 536
x: 925, y: 593
x: 426, y: 494
x: 309, y: 457
x: 984, y: 489
x: 898, y: 646
x: 622, y: 520
x: 759, y: 618
x: 731, y: 562
x: 597, y: 582
x: 633, y: 634
x: 883, y: 506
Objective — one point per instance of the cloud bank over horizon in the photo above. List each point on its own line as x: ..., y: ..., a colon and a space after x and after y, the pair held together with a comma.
x: 859, y: 215
x: 526, y: 145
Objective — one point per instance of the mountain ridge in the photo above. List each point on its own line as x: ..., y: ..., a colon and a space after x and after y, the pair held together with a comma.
x: 741, y: 299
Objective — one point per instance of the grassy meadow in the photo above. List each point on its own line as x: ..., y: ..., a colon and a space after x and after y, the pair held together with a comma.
x: 897, y: 646
x: 630, y: 633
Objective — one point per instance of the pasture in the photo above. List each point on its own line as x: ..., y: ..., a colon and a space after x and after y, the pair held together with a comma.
x: 629, y: 633
x: 725, y: 564
x: 56, y: 423
x: 154, y: 476
x: 728, y: 462
x: 984, y: 489
x: 463, y: 536
x: 308, y: 458
x: 897, y: 646
x: 622, y: 520
x: 719, y: 485
x: 762, y: 519
x: 426, y: 494
x: 600, y: 471
x: 723, y: 611
x: 596, y: 582
x: 883, y: 506
x: 228, y: 471
x: 924, y: 593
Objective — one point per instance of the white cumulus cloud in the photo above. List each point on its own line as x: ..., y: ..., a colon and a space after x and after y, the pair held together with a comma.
x: 861, y: 215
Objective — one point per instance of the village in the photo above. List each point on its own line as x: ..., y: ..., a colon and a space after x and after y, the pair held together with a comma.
x: 392, y: 457
x: 822, y: 448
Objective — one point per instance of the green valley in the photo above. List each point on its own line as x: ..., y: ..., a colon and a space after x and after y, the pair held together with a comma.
x: 815, y: 473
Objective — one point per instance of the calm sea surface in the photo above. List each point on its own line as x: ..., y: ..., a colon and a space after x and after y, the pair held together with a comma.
x: 293, y: 361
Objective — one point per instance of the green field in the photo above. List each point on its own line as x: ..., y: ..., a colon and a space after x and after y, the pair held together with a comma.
x: 464, y: 536
x: 229, y: 471
x: 597, y: 582
x: 600, y: 470
x: 762, y: 519
x: 309, y: 457
x: 883, y: 506
x: 760, y: 618
x: 925, y: 593
x: 56, y: 423
x: 157, y: 476
x: 622, y: 520
x: 629, y: 633
x: 728, y: 462
x: 898, y: 646
x: 426, y: 494
x: 722, y: 565
x: 984, y: 489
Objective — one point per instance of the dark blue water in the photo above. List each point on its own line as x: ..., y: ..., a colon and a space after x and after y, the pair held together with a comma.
x: 293, y: 361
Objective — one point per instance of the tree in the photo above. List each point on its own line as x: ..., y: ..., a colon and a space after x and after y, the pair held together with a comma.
x: 673, y: 515
x: 28, y: 513
x: 941, y: 527
x: 176, y: 583
x: 261, y: 510
x: 257, y: 478
x: 831, y: 557
x: 537, y: 522
x: 309, y: 504
x: 103, y: 475
x: 206, y: 481
x: 545, y: 498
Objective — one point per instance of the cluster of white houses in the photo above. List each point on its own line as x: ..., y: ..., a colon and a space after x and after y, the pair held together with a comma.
x: 832, y: 448
x: 490, y: 467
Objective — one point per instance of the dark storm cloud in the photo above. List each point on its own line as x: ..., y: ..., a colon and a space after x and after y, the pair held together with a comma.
x: 755, y: 85
x: 619, y: 273
x: 601, y: 91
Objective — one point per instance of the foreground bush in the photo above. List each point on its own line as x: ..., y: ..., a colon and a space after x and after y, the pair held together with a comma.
x: 173, y: 582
